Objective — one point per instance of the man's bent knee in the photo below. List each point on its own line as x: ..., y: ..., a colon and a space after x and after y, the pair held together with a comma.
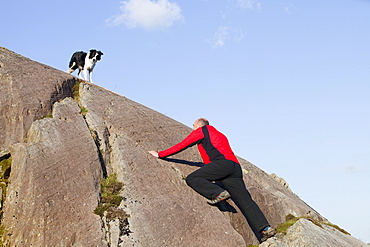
x: 190, y: 180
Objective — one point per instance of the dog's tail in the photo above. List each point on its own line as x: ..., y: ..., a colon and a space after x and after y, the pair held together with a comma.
x: 71, y: 67
x: 71, y: 63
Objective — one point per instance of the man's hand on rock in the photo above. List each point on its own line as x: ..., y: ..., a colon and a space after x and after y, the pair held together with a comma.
x: 154, y: 153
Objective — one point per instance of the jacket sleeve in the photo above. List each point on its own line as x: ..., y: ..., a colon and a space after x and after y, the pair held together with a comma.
x: 193, y: 138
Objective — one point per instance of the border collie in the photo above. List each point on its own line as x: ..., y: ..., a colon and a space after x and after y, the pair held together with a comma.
x: 84, y: 62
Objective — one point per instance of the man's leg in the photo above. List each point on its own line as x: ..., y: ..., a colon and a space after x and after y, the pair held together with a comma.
x: 201, y: 179
x: 236, y: 187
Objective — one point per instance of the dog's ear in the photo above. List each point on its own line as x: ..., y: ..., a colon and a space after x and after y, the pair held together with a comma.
x: 92, y: 53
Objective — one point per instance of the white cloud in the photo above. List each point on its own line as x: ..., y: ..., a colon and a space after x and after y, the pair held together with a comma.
x: 287, y: 8
x: 249, y: 4
x: 147, y: 14
x: 220, y: 37
x: 225, y: 33
x: 239, y: 35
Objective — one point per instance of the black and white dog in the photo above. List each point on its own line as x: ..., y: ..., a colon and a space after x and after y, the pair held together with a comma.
x: 84, y: 62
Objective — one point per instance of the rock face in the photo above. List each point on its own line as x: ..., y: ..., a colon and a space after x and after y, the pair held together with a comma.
x: 28, y: 91
x: 306, y: 233
x: 281, y: 181
x: 89, y: 133
x: 55, y: 183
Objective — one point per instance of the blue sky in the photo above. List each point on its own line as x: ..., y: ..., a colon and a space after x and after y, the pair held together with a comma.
x: 287, y: 81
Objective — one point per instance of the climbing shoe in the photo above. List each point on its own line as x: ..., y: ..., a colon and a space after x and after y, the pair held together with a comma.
x: 221, y: 197
x: 267, y: 233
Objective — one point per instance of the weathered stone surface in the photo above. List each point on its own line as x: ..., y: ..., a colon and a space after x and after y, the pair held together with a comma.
x: 281, y: 181
x: 27, y: 92
x: 55, y: 184
x: 306, y: 233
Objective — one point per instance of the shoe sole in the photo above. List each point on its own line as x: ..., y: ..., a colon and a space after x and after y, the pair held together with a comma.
x: 268, y: 235
x: 222, y: 199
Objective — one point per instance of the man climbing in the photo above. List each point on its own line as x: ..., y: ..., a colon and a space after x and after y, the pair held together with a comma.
x: 220, y: 165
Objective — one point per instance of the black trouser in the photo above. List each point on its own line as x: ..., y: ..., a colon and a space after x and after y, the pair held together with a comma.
x: 230, y: 175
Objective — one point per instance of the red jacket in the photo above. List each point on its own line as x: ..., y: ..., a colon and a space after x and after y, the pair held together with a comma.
x: 212, y: 145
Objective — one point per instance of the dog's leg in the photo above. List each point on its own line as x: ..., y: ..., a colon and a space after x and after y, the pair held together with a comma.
x: 85, y: 76
x: 79, y: 74
x: 90, y: 77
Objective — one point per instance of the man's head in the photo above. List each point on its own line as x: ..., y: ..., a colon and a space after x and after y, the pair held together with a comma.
x: 200, y: 123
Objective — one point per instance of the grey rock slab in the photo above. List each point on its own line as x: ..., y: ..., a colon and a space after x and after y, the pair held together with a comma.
x: 306, y: 233
x: 55, y: 184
